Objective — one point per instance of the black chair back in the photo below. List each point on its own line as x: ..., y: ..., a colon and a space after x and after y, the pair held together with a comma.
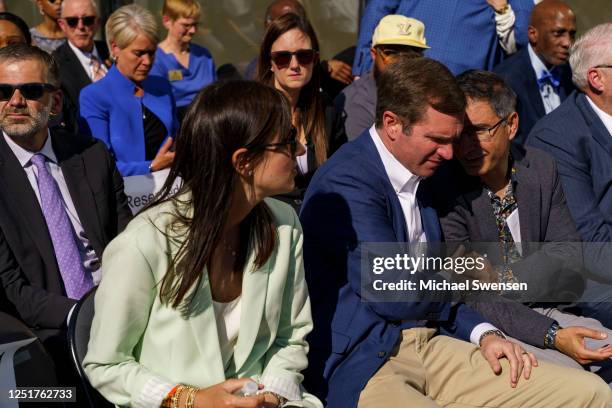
x: 79, y: 327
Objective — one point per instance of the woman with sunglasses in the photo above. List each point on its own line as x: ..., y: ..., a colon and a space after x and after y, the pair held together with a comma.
x: 287, y: 60
x: 205, y: 290
x: 187, y: 66
x: 132, y: 112
x: 48, y: 35
x: 13, y: 30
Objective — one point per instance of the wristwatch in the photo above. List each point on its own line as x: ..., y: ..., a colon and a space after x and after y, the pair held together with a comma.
x: 551, y: 335
x: 281, y: 400
x: 495, y: 332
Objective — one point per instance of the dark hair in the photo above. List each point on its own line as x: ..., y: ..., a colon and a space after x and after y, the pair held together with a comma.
x: 24, y: 52
x: 223, y: 118
x: 296, y: 5
x: 489, y: 87
x: 310, y: 104
x: 18, y: 21
x: 409, y: 85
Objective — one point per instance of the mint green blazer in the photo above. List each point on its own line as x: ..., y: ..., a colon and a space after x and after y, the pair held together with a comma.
x: 137, y: 341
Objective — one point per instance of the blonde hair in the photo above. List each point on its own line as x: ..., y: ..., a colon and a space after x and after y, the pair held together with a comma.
x: 124, y: 25
x: 176, y: 9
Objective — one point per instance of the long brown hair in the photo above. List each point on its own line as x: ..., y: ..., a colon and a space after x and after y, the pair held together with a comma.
x: 310, y: 102
x: 221, y: 119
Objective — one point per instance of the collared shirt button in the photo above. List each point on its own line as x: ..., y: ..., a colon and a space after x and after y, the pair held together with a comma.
x: 381, y: 354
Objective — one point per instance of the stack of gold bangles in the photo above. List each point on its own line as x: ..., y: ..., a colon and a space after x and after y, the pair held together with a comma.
x: 173, y: 398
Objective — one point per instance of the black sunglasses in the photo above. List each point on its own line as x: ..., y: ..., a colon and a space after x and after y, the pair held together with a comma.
x: 30, y: 91
x: 282, y: 59
x: 88, y: 21
x: 53, y: 1
x: 290, y: 141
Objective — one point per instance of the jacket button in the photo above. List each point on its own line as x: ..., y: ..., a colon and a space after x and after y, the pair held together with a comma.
x: 381, y: 354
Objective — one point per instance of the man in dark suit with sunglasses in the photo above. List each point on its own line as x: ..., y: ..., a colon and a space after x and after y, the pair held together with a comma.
x: 81, y: 60
x: 61, y: 202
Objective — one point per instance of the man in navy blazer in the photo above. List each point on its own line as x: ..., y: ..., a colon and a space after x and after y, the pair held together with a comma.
x: 368, y: 351
x: 539, y: 74
x: 579, y: 136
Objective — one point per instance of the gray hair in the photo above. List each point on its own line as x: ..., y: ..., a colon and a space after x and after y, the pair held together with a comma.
x: 93, y: 4
x: 27, y: 52
x: 124, y: 25
x: 589, y: 51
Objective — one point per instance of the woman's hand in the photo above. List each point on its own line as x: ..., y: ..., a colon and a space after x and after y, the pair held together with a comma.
x: 222, y: 396
x: 164, y: 157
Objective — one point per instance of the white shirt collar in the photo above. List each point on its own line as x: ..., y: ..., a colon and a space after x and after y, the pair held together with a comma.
x: 605, y: 117
x: 24, y: 155
x: 85, y: 57
x: 401, y: 178
x: 536, y: 62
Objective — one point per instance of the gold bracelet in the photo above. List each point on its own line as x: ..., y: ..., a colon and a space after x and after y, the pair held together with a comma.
x: 191, y: 397
x: 177, y: 396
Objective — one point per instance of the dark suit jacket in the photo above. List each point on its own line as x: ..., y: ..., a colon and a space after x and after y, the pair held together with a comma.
x: 350, y: 201
x: 72, y: 74
x: 28, y: 269
x: 550, y: 270
x: 582, y: 147
x: 519, y: 74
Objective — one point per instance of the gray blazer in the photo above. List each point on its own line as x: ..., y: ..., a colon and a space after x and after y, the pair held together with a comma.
x: 550, y: 264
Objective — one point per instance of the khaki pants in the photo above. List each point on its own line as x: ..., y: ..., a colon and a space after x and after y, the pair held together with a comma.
x: 427, y: 371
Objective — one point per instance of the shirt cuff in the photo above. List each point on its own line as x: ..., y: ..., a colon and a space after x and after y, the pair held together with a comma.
x: 478, y: 331
x: 284, y: 387
x: 504, y: 26
x: 153, y: 393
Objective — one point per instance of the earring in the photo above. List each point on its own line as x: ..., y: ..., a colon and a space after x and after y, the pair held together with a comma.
x: 42, y: 12
x: 250, y: 173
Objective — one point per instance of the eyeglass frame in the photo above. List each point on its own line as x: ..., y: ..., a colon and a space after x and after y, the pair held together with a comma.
x: 603, y: 66
x: 81, y: 19
x: 490, y: 131
x: 45, y: 86
x: 291, y: 141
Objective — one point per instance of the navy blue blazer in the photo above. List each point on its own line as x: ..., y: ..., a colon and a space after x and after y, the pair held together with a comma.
x: 350, y: 201
x: 582, y: 147
x: 519, y: 74
x: 110, y: 111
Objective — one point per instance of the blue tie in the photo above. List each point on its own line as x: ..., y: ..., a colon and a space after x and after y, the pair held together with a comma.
x: 550, y: 78
x: 76, y: 281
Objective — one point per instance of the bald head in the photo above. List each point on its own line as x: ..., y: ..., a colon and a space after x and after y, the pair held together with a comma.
x: 279, y: 8
x: 552, y: 29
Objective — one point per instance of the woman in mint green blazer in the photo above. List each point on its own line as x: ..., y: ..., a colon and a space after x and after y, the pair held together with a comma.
x: 205, y: 288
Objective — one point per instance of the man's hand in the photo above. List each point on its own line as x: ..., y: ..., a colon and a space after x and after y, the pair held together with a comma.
x: 493, y: 348
x: 570, y: 341
x: 497, y: 4
x: 340, y: 71
x: 164, y: 157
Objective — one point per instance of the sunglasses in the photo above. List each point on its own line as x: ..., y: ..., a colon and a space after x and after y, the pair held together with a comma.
x: 32, y: 91
x: 53, y: 1
x: 282, y: 59
x: 88, y: 21
x: 290, y: 141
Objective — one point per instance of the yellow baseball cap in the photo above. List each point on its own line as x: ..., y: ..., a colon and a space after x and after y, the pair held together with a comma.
x: 400, y: 30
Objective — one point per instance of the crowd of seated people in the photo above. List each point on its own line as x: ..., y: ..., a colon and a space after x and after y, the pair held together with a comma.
x: 480, y: 132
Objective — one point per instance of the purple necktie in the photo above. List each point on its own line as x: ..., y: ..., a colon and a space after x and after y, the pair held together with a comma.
x: 76, y: 280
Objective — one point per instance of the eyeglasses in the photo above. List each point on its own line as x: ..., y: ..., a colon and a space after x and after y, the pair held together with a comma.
x: 53, y: 1
x: 32, y: 91
x: 603, y: 66
x: 282, y: 59
x: 88, y: 21
x: 386, y: 52
x: 290, y: 141
x: 483, y: 134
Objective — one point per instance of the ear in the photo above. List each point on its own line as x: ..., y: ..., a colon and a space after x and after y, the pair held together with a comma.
x: 532, y: 35
x: 242, y: 163
x: 373, y: 53
x: 513, y: 122
x: 392, y: 125
x: 62, y: 24
x: 595, y: 81
x: 114, y: 50
x: 56, y: 102
x: 166, y: 21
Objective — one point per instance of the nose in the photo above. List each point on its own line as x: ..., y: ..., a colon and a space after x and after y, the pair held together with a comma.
x: 294, y: 64
x: 566, y: 40
x: 300, y: 149
x: 17, y: 99
x: 147, y: 59
x: 446, y: 151
x: 192, y: 30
